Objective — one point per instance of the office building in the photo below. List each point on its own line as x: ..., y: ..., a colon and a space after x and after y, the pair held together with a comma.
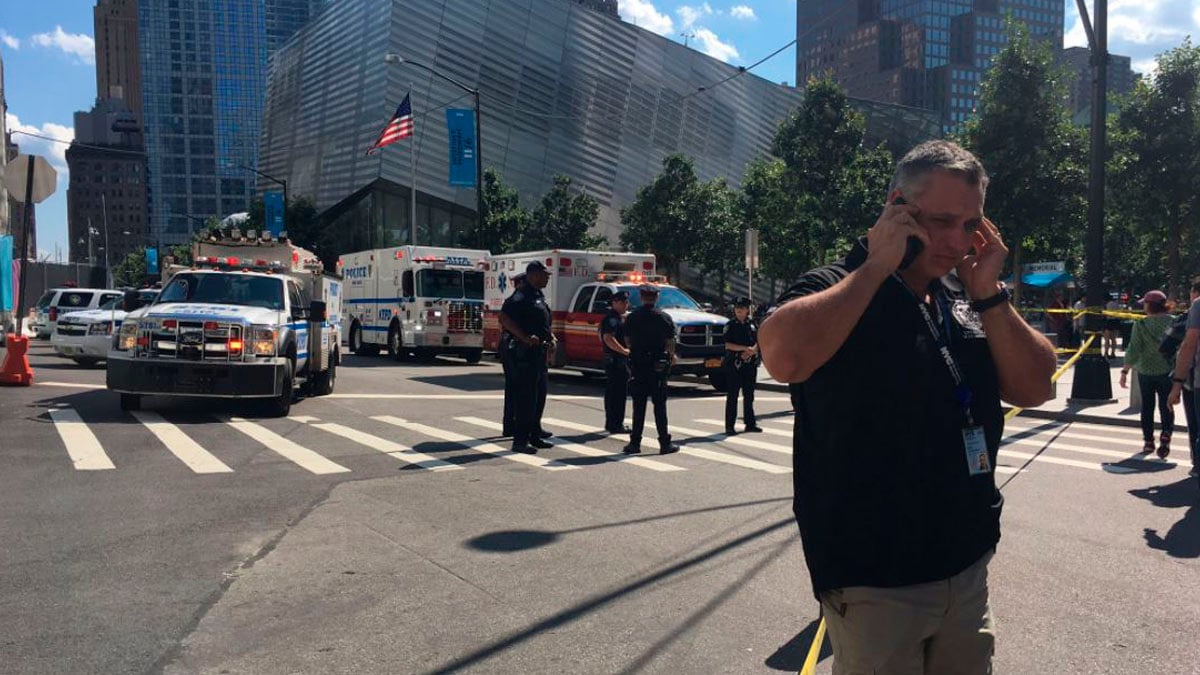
x: 564, y: 89
x: 1078, y: 63
x: 924, y: 53
x: 118, y: 70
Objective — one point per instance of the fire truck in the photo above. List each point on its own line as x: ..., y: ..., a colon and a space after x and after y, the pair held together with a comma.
x: 247, y: 320
x: 581, y: 283
x: 420, y: 300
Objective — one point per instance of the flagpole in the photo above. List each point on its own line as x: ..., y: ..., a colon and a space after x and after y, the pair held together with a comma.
x: 412, y: 195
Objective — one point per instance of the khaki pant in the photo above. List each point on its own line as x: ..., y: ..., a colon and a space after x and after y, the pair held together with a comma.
x: 940, y: 628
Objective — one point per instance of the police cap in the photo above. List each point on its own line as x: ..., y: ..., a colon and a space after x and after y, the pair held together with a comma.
x: 535, y: 266
x: 518, y: 277
x: 648, y: 289
x: 619, y: 296
x: 741, y: 302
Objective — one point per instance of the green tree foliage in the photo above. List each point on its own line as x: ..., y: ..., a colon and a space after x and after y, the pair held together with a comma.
x: 1036, y: 158
x: 304, y: 228
x: 504, y: 219
x: 562, y: 220
x: 132, y: 270
x: 662, y: 220
x: 720, y: 247
x: 767, y: 205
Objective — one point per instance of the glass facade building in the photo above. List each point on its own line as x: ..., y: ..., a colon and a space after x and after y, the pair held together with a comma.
x: 203, y: 70
x: 565, y: 90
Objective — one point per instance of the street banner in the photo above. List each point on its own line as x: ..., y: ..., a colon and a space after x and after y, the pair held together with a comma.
x: 460, y: 123
x: 7, y: 270
x: 151, y: 262
x: 273, y: 212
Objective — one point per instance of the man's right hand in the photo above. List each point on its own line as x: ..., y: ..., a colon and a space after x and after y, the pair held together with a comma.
x: 1176, y: 394
x: 887, y: 241
x: 534, y: 341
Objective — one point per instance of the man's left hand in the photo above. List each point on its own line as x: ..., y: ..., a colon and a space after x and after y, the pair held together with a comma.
x: 980, y: 272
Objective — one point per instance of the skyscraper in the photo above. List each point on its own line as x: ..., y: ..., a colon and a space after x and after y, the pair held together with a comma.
x: 922, y: 53
x: 118, y: 73
x: 1078, y: 62
x: 203, y: 69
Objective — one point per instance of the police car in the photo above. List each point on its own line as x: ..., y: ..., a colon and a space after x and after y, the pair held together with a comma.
x: 86, y: 336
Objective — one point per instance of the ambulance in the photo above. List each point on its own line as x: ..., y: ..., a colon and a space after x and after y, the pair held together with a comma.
x: 420, y: 300
x: 581, y: 282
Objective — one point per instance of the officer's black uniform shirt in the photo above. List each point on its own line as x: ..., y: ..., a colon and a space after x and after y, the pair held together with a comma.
x: 744, y: 333
x: 528, y: 308
x: 649, y: 329
x: 615, y: 326
x: 883, y: 496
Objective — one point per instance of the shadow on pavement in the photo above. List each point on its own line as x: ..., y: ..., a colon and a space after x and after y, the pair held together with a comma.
x: 790, y: 657
x: 1183, y: 539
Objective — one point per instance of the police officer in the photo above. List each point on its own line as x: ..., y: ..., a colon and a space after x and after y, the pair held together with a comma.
x: 651, y: 335
x: 616, y: 363
x: 526, y: 317
x: 741, y: 366
x: 510, y: 410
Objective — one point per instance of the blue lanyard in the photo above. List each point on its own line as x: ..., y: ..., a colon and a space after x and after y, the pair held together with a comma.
x: 962, y: 391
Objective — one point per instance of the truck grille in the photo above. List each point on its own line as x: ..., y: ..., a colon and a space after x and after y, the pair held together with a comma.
x: 193, y: 341
x: 702, y: 336
x: 464, y: 317
x: 72, y: 329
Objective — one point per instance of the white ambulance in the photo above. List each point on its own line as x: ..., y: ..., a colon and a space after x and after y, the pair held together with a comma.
x: 420, y: 300
x: 581, y: 282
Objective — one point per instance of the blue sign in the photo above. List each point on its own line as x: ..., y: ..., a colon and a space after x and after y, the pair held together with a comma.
x: 6, y: 274
x: 460, y: 123
x: 273, y: 212
x: 151, y: 261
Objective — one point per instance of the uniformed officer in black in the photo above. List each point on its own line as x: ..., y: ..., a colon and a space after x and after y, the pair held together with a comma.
x: 510, y: 410
x: 741, y: 366
x: 526, y: 317
x: 616, y: 363
x: 651, y: 335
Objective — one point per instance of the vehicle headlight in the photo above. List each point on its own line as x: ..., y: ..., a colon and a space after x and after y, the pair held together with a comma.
x: 127, y: 336
x: 100, y: 328
x: 262, y: 341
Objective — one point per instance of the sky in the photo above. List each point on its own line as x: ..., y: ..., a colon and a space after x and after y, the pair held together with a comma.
x: 49, y: 58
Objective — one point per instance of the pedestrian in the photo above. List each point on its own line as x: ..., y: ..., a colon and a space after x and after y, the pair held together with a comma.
x: 741, y: 366
x: 616, y: 363
x: 1169, y: 348
x: 526, y: 317
x: 1185, y: 367
x: 1059, y: 320
x: 1112, y: 327
x: 510, y: 410
x: 1078, y: 322
x: 651, y: 335
x: 897, y: 375
x: 1153, y: 371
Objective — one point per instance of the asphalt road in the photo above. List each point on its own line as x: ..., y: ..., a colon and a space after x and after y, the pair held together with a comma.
x: 383, y: 530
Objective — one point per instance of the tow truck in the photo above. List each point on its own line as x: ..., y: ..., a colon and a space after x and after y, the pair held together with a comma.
x: 581, y: 283
x: 249, y: 319
x: 422, y: 300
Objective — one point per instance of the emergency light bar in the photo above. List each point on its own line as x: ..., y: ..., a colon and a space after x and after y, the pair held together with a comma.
x: 631, y: 277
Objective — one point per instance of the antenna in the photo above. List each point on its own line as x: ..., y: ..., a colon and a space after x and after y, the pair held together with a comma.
x: 687, y: 35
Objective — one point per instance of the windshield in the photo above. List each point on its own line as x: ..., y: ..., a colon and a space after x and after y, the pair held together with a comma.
x: 474, y: 285
x: 440, y: 284
x: 44, y: 301
x: 226, y: 289
x: 115, y: 303
x: 668, y: 298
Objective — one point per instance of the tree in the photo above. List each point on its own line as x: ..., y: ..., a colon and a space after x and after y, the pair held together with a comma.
x: 720, y: 246
x: 767, y: 205
x: 131, y: 271
x: 1036, y: 158
x: 660, y: 220
x: 304, y: 228
x: 562, y: 220
x: 504, y: 219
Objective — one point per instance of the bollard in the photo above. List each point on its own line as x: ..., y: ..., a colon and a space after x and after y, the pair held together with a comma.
x: 15, y: 370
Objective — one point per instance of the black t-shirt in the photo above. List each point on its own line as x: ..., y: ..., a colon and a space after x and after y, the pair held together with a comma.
x: 743, y: 333
x: 528, y: 308
x: 649, y: 329
x: 613, y: 324
x: 883, y: 496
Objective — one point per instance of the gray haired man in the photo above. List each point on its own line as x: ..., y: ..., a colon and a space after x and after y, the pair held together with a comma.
x: 898, y: 364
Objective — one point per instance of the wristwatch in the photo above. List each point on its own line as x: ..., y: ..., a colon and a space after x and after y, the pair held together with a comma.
x: 981, y: 306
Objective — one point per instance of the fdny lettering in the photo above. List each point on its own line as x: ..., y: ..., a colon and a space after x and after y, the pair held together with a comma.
x: 457, y: 260
x: 356, y: 273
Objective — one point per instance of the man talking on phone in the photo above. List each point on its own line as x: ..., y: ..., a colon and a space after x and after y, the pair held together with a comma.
x: 898, y: 358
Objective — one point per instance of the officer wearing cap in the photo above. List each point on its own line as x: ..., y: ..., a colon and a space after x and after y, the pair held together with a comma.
x: 510, y: 410
x: 526, y: 317
x: 741, y: 366
x: 616, y: 362
x: 651, y: 335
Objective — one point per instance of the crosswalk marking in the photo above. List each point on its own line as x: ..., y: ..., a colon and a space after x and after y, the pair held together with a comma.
x: 581, y: 449
x: 82, y: 445
x: 1056, y: 445
x: 1108, y: 435
x: 305, y: 458
x: 734, y: 440
x: 390, y: 448
x: 1051, y: 460
x: 766, y: 429
x: 490, y: 448
x: 180, y: 444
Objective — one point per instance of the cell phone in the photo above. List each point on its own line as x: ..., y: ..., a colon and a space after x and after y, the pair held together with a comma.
x: 913, y: 246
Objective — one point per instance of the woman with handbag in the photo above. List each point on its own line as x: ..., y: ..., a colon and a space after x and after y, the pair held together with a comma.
x: 1153, y: 371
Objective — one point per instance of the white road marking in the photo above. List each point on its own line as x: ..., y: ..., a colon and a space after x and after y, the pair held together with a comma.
x: 733, y: 440
x: 581, y: 449
x: 390, y: 448
x: 82, y: 445
x: 69, y: 385
x: 1052, y: 460
x: 1010, y: 470
x: 181, y: 445
x: 785, y: 433
x: 1067, y: 447
x: 500, y: 397
x: 1110, y: 433
x: 490, y: 448
x: 307, y: 459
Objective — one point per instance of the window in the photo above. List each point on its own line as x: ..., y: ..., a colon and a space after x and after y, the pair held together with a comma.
x: 445, y: 284
x: 603, y: 299
x: 584, y: 299
x: 406, y: 284
x: 473, y: 285
x: 294, y: 298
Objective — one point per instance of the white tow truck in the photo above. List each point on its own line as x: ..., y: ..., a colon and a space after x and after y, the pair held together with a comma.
x: 248, y: 319
x: 421, y: 300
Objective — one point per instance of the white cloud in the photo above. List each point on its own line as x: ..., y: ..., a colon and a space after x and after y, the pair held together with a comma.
x: 55, y: 153
x: 1141, y: 29
x: 78, y: 45
x: 689, y: 15
x: 8, y: 40
x: 745, y: 12
x: 710, y: 44
x: 643, y: 13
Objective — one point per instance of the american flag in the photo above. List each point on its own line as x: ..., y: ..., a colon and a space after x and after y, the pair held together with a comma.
x: 400, y: 126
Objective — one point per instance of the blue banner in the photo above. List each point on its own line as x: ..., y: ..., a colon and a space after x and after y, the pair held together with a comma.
x: 151, y: 261
x: 273, y: 212
x: 461, y: 126
x: 6, y: 274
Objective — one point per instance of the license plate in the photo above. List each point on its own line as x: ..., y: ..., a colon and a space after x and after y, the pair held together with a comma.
x: 712, y: 363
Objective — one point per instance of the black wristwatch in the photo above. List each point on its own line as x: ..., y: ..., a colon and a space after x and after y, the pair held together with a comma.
x: 981, y: 306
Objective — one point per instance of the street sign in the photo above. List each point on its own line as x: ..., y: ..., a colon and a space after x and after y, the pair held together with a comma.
x: 1033, y: 268
x: 752, y: 249
x: 16, y: 175
x: 460, y: 125
x: 273, y: 209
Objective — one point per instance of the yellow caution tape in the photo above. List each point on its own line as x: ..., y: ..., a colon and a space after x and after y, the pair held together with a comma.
x: 810, y: 661
x: 1058, y: 373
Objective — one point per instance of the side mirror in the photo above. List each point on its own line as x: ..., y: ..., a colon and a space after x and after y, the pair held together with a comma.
x: 317, y: 312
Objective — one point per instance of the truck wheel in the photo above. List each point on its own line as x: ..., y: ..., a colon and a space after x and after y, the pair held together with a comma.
x: 323, y: 383
x: 395, y: 348
x: 86, y: 362
x: 356, y: 343
x: 131, y: 402
x: 719, y: 381
x: 474, y: 356
x: 281, y: 405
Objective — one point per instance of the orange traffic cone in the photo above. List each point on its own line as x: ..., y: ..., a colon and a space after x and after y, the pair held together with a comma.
x: 15, y: 371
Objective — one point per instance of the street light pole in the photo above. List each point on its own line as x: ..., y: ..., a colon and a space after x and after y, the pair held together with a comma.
x: 393, y: 58
x: 107, y: 267
x: 279, y: 181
